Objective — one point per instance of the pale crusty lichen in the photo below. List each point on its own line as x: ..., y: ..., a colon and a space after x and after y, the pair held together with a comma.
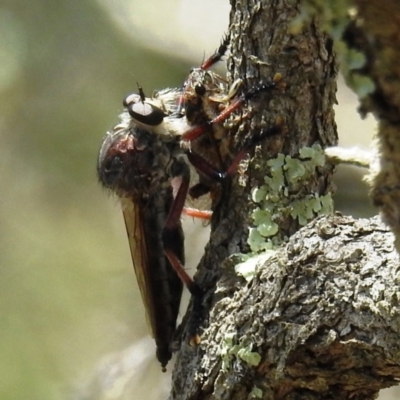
x: 248, y: 267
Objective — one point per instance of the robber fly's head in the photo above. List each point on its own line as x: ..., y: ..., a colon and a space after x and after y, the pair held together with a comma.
x: 143, y: 110
x: 156, y: 114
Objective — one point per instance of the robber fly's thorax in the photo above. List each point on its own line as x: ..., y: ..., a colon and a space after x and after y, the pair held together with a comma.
x: 134, y: 161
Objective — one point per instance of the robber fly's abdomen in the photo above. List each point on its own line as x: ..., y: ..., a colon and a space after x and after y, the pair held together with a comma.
x: 166, y: 287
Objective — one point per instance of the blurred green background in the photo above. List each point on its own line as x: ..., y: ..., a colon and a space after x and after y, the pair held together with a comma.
x: 72, y: 320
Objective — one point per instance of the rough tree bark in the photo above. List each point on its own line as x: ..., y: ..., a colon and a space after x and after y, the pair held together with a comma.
x: 318, y: 317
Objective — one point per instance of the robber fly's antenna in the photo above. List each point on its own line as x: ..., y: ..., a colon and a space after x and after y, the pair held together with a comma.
x: 141, y: 93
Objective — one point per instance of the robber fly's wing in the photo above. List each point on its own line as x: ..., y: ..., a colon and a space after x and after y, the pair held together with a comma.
x: 137, y: 244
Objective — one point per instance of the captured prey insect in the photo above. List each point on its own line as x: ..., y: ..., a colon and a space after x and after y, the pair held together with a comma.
x: 207, y: 101
x: 145, y: 159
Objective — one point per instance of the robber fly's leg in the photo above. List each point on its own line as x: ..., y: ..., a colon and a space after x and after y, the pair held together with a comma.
x: 199, y: 130
x: 213, y: 173
x: 180, y: 174
x: 195, y: 213
x: 180, y: 181
x: 181, y: 177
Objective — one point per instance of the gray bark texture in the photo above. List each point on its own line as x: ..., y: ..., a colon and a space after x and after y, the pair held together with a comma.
x: 319, y: 318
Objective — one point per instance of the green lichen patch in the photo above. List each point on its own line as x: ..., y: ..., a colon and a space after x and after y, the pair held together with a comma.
x: 256, y: 393
x: 285, y: 194
x: 229, y: 351
x: 257, y: 242
x: 335, y: 17
x: 361, y: 84
x: 305, y: 209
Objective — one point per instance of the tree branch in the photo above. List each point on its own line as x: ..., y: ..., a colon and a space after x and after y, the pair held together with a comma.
x: 319, y: 320
x: 319, y: 316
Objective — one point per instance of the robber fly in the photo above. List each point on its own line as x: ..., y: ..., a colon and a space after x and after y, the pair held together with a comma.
x: 145, y: 160
x: 140, y: 160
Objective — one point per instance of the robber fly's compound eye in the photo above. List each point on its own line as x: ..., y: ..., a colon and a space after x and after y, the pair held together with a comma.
x: 145, y: 113
x: 200, y: 89
x: 132, y: 98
